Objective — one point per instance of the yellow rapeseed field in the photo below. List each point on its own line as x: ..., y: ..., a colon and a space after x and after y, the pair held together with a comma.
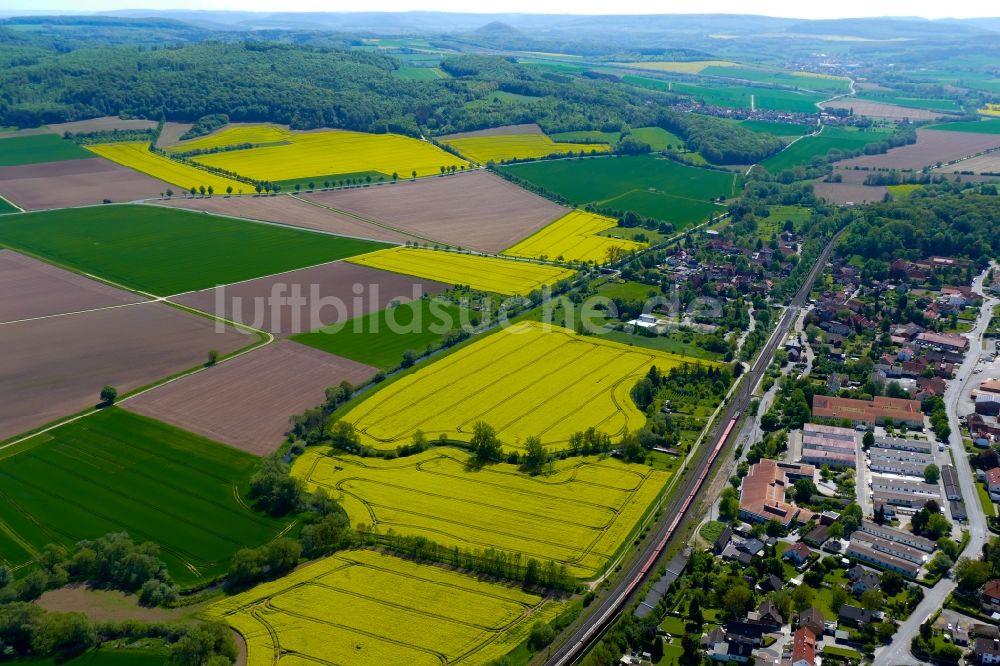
x: 527, y: 379
x: 578, y: 514
x: 137, y: 156
x: 500, y: 276
x: 330, y: 153
x: 574, y: 237
x: 482, y: 149
x: 990, y: 110
x: 235, y: 135
x: 365, y: 607
x: 691, y: 67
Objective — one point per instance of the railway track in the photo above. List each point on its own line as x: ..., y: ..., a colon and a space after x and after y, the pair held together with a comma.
x: 677, y: 511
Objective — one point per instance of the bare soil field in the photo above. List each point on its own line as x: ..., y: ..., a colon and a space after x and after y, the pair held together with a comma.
x: 31, y: 131
x: 31, y: 288
x: 104, y: 124
x: 172, y: 133
x: 983, y: 164
x: 54, y: 367
x: 75, y: 183
x: 505, y: 130
x: 109, y: 605
x: 288, y: 210
x: 246, y: 402
x: 932, y: 146
x: 864, y: 107
x: 844, y: 193
x: 310, y: 298
x: 476, y: 210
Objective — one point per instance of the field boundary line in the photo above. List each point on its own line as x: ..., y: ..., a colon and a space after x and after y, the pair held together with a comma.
x: 367, y: 220
x: 256, y: 220
x: 158, y: 299
x: 19, y: 209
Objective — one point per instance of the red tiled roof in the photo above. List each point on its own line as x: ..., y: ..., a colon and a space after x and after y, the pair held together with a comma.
x: 899, y: 410
x: 804, y: 646
x: 992, y: 589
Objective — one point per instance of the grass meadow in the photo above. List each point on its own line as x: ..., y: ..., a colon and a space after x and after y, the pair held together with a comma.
x: 832, y: 138
x: 37, y: 148
x: 371, y: 340
x: 739, y: 97
x: 391, y: 611
x: 650, y: 186
x: 166, y: 251
x: 578, y: 513
x: 116, y: 471
x: 973, y: 126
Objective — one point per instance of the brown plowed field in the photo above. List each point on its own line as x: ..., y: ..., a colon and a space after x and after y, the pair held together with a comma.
x: 288, y: 210
x: 843, y: 193
x: 172, y: 133
x: 31, y: 288
x: 101, y: 125
x: 475, y: 210
x: 246, y: 402
x: 864, y: 107
x: 51, y: 368
x: 505, y: 130
x: 75, y: 183
x: 327, y: 292
x: 932, y: 146
x: 983, y: 164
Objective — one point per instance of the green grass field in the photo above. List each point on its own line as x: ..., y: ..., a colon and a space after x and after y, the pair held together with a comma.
x: 165, y: 251
x: 777, y: 129
x: 817, y: 83
x: 110, y: 657
x: 380, y: 338
x: 739, y: 97
x: 900, y: 99
x: 973, y: 126
x: 116, y: 471
x: 650, y: 186
x: 6, y: 206
x: 657, y: 137
x: 19, y: 150
x: 832, y: 138
x: 419, y: 73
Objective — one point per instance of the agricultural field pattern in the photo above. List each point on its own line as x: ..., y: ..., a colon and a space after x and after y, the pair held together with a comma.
x: 493, y: 337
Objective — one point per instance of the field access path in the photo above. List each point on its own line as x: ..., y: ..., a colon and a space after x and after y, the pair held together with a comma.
x: 607, y: 609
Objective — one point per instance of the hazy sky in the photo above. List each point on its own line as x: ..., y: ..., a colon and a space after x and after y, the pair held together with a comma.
x: 790, y: 8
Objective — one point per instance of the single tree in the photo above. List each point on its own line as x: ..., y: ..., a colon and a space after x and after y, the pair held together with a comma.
x: 211, y: 190
x: 229, y: 190
x: 213, y: 357
x: 932, y: 473
x: 109, y: 394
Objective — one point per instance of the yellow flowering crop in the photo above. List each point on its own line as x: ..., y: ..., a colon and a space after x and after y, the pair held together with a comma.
x: 532, y: 145
x: 574, y: 237
x: 136, y: 156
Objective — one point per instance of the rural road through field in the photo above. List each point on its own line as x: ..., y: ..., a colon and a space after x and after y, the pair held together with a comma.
x: 897, y: 653
x: 613, y: 602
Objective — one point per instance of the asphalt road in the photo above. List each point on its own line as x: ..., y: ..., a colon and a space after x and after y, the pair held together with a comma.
x: 618, y: 597
x: 897, y: 653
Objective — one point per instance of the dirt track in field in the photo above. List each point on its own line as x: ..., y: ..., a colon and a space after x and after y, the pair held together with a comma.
x: 246, y: 402
x: 506, y: 130
x: 104, y: 124
x: 31, y: 288
x: 108, y: 605
x: 75, y: 183
x: 287, y: 210
x: 932, y: 146
x: 51, y: 368
x: 328, y: 295
x: 475, y: 210
x: 871, y: 109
